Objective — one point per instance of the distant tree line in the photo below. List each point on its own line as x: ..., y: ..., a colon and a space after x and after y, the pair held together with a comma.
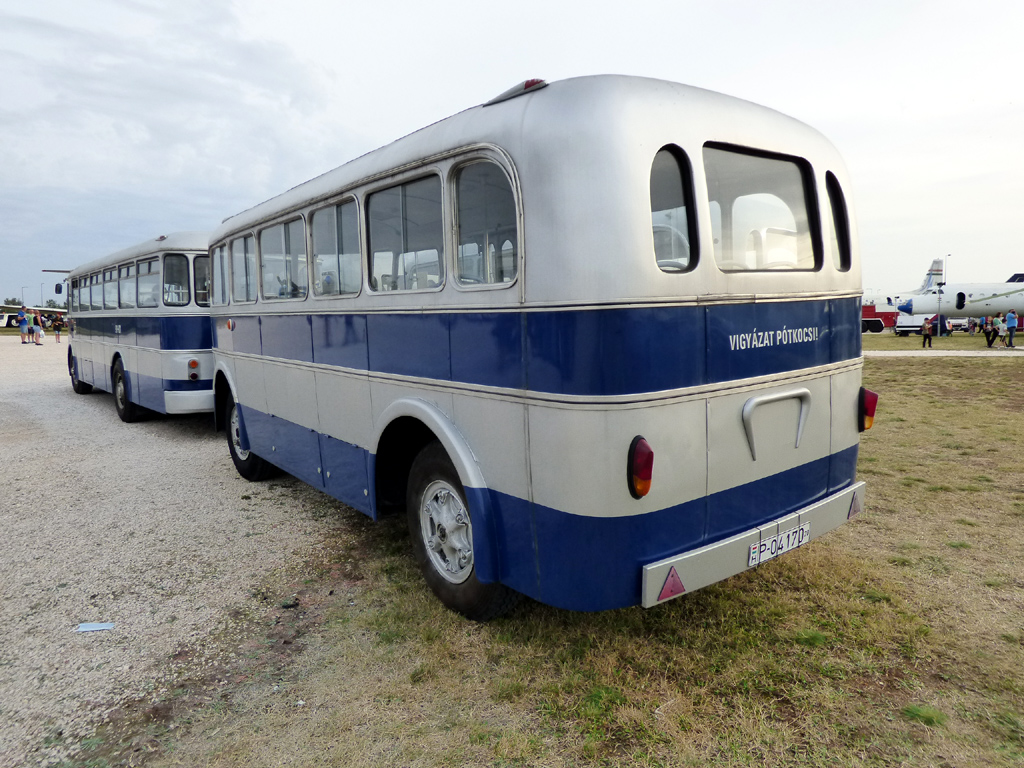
x: 50, y: 303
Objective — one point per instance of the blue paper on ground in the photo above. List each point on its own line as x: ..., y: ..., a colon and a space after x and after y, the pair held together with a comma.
x: 94, y: 627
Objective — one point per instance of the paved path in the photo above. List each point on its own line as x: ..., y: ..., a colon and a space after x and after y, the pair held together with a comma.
x: 1016, y: 351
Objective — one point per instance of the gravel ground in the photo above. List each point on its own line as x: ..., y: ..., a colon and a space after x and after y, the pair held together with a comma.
x: 145, y: 525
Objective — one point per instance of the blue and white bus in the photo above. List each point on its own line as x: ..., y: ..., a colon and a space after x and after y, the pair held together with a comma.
x: 599, y: 338
x: 139, y: 323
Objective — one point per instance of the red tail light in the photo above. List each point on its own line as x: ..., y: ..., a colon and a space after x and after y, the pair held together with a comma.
x: 868, y: 401
x: 639, y: 467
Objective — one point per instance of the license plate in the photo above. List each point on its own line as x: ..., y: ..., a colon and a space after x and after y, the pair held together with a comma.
x: 766, y: 549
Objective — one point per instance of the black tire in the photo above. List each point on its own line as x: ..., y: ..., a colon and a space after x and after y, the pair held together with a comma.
x: 249, y: 465
x: 127, y: 411
x: 442, y: 539
x: 78, y: 385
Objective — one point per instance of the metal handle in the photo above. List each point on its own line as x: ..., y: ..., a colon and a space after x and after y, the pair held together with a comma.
x: 803, y: 395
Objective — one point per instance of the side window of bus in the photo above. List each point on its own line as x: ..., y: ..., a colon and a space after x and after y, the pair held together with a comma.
x: 337, y: 265
x: 760, y: 218
x: 201, y: 268
x: 670, y: 204
x: 243, y: 269
x: 149, y: 283
x: 283, y: 259
x: 96, y: 288
x: 220, y: 276
x: 110, y: 289
x: 406, y: 236
x: 126, y: 282
x: 487, y: 233
x: 176, y: 283
x: 75, y: 296
x: 839, y: 224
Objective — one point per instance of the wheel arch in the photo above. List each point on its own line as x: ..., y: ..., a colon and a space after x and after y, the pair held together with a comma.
x: 116, y: 358
x: 222, y: 389
x: 404, y: 428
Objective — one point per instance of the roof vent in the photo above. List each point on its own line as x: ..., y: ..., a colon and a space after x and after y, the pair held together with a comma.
x: 524, y: 87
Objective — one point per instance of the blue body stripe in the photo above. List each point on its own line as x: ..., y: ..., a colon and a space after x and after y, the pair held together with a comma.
x: 166, y: 332
x: 590, y: 352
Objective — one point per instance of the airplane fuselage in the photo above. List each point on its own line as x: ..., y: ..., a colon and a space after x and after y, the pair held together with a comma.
x: 967, y: 300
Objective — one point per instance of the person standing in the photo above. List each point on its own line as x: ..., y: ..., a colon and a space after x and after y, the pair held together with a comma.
x: 1000, y: 329
x: 58, y: 324
x: 23, y: 324
x: 1011, y: 325
x: 926, y: 334
x: 990, y: 329
x: 37, y: 329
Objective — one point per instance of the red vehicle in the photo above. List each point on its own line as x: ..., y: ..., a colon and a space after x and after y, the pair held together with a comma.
x: 875, y: 320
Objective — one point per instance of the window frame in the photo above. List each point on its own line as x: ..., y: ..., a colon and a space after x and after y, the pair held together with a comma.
x: 188, y: 279
x: 255, y: 281
x: 810, y: 196
x: 335, y: 205
x: 689, y: 203
x: 443, y: 258
x: 220, y: 254
x: 286, y: 240
x: 159, y: 283
x: 110, y: 279
x: 95, y: 279
x: 131, y: 275
x: 452, y: 192
x: 839, y: 224
x: 192, y: 258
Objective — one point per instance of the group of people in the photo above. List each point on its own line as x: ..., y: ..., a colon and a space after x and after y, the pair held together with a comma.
x: 30, y: 323
x: 998, y: 327
x: 994, y: 327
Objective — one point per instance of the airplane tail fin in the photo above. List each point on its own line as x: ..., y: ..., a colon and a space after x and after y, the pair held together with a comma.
x: 932, y: 276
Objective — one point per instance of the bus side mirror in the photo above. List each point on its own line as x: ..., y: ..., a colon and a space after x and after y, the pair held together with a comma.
x: 58, y: 289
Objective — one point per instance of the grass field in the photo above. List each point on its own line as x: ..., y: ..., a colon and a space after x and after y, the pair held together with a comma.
x: 896, y: 640
x: 888, y: 341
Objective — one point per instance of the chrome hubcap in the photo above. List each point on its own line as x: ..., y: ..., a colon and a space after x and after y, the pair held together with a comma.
x: 447, y: 532
x: 236, y: 435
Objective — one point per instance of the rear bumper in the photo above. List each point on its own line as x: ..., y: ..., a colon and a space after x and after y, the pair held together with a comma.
x: 698, y: 568
x: 188, y: 402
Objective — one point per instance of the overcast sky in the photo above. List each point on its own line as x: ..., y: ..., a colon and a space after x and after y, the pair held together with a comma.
x: 121, y: 120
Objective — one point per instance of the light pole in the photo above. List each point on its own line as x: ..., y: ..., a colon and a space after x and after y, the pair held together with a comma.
x: 23, y: 294
x: 941, y: 324
x: 41, y: 293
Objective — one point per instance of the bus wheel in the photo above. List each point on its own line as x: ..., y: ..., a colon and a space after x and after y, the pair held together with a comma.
x: 442, y: 539
x: 77, y: 384
x: 249, y: 465
x: 126, y: 409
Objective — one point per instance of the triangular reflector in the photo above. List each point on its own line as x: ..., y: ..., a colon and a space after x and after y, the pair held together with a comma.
x: 673, y: 585
x: 855, y: 507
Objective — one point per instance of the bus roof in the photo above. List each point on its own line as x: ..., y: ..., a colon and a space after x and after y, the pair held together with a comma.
x: 176, y: 241
x: 591, y: 110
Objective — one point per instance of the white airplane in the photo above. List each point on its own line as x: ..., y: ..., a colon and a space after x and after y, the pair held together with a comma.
x: 878, y: 311
x: 968, y: 299
x: 931, y: 278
